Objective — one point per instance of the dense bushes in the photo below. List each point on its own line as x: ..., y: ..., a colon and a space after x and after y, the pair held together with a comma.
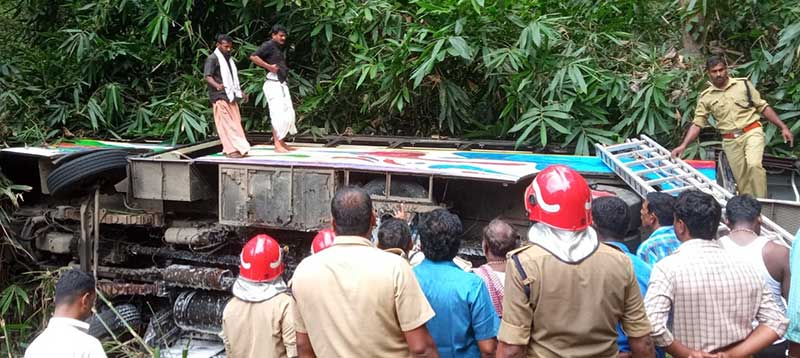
x: 568, y: 73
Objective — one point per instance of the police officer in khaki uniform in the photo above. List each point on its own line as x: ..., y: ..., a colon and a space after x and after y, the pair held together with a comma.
x: 735, y: 105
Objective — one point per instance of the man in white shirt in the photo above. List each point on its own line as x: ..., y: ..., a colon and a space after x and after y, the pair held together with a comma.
x: 66, y: 334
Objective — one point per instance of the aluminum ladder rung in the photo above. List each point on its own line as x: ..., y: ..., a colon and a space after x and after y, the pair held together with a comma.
x: 679, y: 171
x: 635, y: 153
x: 667, y: 179
x: 646, y: 160
x: 634, y: 143
x: 655, y: 169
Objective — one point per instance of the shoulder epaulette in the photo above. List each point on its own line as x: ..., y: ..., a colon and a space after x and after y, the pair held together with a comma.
x: 747, y: 84
x: 518, y: 250
x: 512, y: 255
x: 706, y: 91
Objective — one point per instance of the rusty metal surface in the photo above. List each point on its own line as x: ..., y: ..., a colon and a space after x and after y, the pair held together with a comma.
x: 166, y: 252
x: 113, y: 289
x: 184, y: 276
x: 281, y: 198
x: 151, y: 274
x: 197, y: 277
x: 199, y: 311
x: 113, y: 217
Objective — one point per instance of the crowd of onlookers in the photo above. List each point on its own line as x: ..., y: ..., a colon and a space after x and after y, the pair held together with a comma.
x: 569, y: 287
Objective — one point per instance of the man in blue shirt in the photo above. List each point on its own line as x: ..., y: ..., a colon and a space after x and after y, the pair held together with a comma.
x: 658, y: 214
x: 793, y: 306
x: 610, y: 219
x: 465, y: 324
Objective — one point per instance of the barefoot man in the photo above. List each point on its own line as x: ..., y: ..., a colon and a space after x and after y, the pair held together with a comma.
x: 281, y: 111
x: 224, y: 93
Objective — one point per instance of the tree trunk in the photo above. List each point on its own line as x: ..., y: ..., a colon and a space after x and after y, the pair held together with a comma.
x: 690, y: 45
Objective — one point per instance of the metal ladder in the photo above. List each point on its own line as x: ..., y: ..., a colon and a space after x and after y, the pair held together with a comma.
x: 644, y: 164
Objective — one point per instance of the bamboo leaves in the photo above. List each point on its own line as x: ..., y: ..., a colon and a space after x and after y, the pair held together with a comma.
x: 543, y: 119
x: 556, y: 73
x: 459, y: 47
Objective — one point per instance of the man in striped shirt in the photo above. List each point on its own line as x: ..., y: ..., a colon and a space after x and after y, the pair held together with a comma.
x: 712, y: 296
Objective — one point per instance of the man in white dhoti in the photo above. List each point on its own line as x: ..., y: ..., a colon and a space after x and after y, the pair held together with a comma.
x: 281, y: 110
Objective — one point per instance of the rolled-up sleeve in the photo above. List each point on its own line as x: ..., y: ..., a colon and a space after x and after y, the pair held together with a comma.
x: 770, y: 315
x: 658, y: 304
x: 515, y: 328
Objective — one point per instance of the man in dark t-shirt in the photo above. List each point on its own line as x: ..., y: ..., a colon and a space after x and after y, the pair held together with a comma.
x: 281, y: 110
x: 224, y: 93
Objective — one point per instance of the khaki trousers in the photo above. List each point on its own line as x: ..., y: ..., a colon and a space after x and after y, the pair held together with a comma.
x: 744, y: 156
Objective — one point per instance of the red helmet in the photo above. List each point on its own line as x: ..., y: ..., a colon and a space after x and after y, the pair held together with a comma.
x: 560, y: 198
x: 261, y: 259
x: 323, y: 240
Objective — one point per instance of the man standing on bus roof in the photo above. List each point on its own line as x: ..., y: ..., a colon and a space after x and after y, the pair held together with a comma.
x: 281, y: 111
x: 736, y: 104
x: 225, y: 93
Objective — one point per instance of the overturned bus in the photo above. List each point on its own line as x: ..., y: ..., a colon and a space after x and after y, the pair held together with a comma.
x: 161, y: 227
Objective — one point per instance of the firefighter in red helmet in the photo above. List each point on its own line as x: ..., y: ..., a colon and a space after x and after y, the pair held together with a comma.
x: 565, y: 291
x: 322, y: 240
x: 261, y: 303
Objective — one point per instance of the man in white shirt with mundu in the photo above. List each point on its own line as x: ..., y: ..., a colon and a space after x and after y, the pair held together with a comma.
x: 66, y: 335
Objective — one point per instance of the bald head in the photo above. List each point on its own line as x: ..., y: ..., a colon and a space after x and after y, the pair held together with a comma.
x: 351, y: 209
x: 499, y: 237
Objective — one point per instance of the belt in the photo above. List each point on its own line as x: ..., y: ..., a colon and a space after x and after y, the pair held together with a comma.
x: 739, y: 132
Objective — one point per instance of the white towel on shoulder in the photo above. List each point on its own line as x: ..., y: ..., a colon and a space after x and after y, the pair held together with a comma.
x: 231, y: 82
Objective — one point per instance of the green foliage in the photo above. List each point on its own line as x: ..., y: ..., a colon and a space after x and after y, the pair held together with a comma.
x: 551, y: 73
x: 25, y: 307
x: 10, y: 198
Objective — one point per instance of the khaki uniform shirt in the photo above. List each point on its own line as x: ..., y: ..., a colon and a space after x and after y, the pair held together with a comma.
x: 573, y: 309
x: 355, y: 300
x: 729, y: 106
x: 261, y: 329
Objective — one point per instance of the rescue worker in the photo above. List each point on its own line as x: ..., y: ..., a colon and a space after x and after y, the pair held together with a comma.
x: 566, y: 292
x: 224, y: 93
x: 322, y: 240
x: 67, y: 334
x: 736, y: 106
x: 354, y: 300
x: 258, y: 320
